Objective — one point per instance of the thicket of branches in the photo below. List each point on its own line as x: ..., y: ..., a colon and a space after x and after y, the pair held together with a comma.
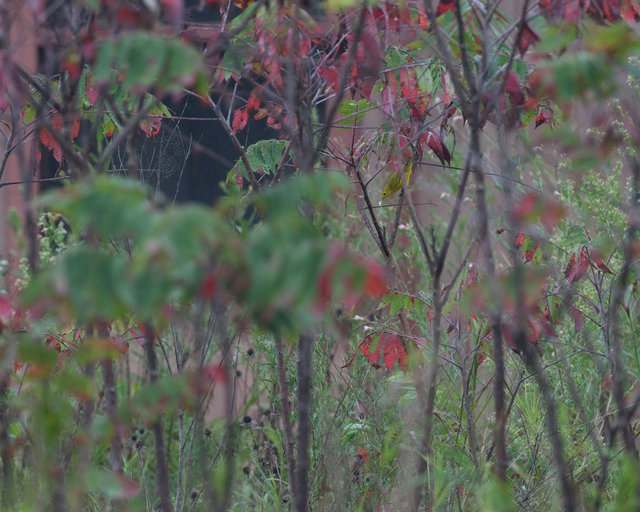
x: 420, y: 295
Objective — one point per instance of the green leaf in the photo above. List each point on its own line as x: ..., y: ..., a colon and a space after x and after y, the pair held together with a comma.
x: 264, y: 155
x: 150, y: 61
x: 397, y: 303
x: 353, y: 111
x: 556, y: 37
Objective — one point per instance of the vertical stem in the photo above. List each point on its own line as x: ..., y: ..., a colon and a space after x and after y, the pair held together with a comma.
x: 496, y: 310
x: 614, y: 345
x: 181, y: 439
x: 111, y: 407
x: 305, y: 354
x: 7, y: 473
x: 466, y: 399
x: 425, y: 446
x: 161, y: 455
x: 286, y: 413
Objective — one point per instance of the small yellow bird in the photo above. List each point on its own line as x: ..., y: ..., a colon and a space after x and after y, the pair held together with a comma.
x: 395, y: 181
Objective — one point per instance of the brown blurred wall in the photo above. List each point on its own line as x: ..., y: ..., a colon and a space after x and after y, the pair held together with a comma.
x: 22, y: 49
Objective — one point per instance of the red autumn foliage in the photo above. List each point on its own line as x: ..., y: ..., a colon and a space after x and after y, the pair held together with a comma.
x: 92, y: 91
x: 527, y: 39
x: 576, y: 269
x: 544, y: 117
x: 444, y: 6
x: 439, y: 148
x: 375, y: 281
x: 578, y: 319
x: 394, y: 351
x: 240, y: 119
x: 601, y: 11
x: 597, y: 260
x: 5, y: 312
x: 514, y: 90
x: 151, y: 125
x: 534, y: 207
x: 208, y: 287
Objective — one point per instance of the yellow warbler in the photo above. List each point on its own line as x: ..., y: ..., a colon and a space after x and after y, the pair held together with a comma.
x: 395, y: 181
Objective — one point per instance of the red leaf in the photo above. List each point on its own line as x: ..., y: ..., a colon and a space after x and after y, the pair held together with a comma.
x: 390, y: 92
x: 513, y: 89
x: 574, y: 269
x: 506, y: 334
x: 51, y: 143
x: 552, y: 212
x: 218, y: 373
x: 604, y: 10
x: 544, y: 117
x: 432, y: 139
x: 526, y: 206
x: 375, y: 281
x: 577, y: 319
x: 568, y: 10
x: 473, y: 269
x: 547, y: 322
x: 369, y: 57
x: 599, y: 263
x: 363, y: 453
x: 446, y: 5
x: 519, y: 240
x: 75, y: 128
x: 121, y: 345
x: 4, y: 102
x: 253, y: 103
x: 5, y: 311
x: 533, y: 205
x: 371, y: 356
x: 351, y: 360
x: 630, y: 11
x: 572, y: 11
x: 208, y: 287
x: 569, y: 272
x: 393, y: 351
x: 530, y: 253
x: 240, y: 119
x: 92, y: 91
x: 138, y: 332
x: 584, y: 262
x: 528, y: 38
x: 534, y: 327
x: 131, y: 17
x: 324, y: 290
x: 71, y: 64
x: 151, y: 125
x: 331, y: 75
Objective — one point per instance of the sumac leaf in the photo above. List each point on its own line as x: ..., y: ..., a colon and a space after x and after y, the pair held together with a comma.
x: 444, y: 6
x: 528, y: 38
